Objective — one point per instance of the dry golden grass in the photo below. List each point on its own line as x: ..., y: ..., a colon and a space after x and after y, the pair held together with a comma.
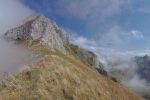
x: 56, y: 76
x: 62, y: 77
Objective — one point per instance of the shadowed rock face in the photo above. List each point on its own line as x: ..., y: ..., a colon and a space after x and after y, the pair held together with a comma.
x: 42, y: 29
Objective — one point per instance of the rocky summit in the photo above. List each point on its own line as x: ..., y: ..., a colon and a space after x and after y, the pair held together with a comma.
x: 40, y: 28
x: 47, y: 32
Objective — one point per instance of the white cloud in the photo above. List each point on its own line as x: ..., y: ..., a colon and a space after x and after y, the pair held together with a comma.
x: 137, y: 84
x: 84, y: 42
x: 12, y: 13
x: 137, y: 34
x: 88, y: 9
x: 118, y: 38
x: 122, y: 66
x: 92, y: 12
x: 112, y: 38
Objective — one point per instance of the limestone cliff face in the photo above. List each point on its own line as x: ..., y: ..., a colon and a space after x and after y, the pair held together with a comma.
x: 42, y: 29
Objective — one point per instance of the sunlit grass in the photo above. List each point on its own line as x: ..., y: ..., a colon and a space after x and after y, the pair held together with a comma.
x: 57, y: 76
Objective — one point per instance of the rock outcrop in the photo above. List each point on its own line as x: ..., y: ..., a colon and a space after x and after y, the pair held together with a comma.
x: 89, y: 58
x: 40, y: 28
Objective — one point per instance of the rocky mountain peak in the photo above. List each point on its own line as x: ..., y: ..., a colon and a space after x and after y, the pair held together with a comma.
x: 40, y: 28
x: 46, y: 31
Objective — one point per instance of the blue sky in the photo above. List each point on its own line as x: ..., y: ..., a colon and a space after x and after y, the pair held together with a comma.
x: 117, y: 25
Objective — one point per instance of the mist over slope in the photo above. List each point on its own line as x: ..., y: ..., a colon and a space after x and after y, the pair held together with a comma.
x: 12, y: 14
x: 128, y: 70
x: 11, y: 58
x: 57, y: 76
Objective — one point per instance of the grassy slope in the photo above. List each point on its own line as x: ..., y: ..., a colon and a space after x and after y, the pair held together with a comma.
x: 61, y: 77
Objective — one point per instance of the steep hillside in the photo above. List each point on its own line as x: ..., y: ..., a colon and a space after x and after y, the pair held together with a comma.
x: 56, y: 76
x: 60, y: 71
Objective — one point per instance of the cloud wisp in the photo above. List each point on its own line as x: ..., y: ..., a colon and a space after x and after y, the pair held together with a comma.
x: 137, y: 34
x: 112, y: 40
x: 12, y: 14
x: 119, y: 64
x: 125, y: 69
x: 93, y: 13
x: 89, y: 9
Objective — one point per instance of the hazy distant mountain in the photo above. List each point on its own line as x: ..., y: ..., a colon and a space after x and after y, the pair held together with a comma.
x: 143, y: 67
x: 133, y: 72
x: 143, y: 63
